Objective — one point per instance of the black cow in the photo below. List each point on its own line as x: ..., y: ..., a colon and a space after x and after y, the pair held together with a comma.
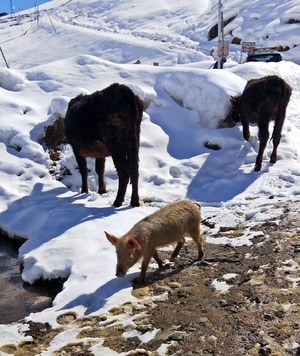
x: 262, y: 100
x: 107, y: 123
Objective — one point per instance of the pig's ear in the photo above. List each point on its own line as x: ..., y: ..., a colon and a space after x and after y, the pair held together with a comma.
x: 132, y: 242
x: 111, y: 238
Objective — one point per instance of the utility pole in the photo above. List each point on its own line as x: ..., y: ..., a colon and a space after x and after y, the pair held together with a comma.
x: 223, y: 46
x: 11, y: 7
x: 220, y: 27
x: 220, y: 15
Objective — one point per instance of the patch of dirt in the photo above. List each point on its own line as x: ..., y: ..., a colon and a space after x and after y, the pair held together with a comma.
x: 259, y: 314
x: 244, y: 301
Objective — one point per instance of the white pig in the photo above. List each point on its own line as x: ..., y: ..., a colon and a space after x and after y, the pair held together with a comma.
x: 163, y: 227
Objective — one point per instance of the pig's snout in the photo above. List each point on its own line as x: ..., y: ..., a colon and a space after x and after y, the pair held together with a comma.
x: 120, y: 273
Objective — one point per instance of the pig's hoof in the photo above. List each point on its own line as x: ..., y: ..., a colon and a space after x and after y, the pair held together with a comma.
x: 169, y: 264
x: 137, y: 281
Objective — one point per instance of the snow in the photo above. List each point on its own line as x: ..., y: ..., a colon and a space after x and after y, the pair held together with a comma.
x: 221, y: 287
x: 88, y: 45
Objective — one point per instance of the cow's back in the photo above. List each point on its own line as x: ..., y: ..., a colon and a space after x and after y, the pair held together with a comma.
x: 264, y: 96
x: 111, y: 115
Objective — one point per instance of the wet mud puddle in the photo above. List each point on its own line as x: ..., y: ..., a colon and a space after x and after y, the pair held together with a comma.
x: 19, y: 299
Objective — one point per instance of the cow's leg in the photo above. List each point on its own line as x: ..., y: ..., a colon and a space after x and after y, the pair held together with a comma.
x: 133, y: 160
x: 83, y: 170
x: 246, y: 131
x: 135, y: 201
x: 263, y: 135
x: 276, y: 139
x: 121, y: 165
x: 276, y: 136
x: 100, y: 167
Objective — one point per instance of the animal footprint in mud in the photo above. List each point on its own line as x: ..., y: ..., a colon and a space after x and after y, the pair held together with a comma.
x: 66, y: 318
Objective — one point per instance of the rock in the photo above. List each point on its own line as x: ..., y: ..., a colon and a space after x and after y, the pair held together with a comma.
x: 268, y: 316
x: 177, y: 335
x: 264, y: 351
x: 212, y: 339
x: 223, y: 303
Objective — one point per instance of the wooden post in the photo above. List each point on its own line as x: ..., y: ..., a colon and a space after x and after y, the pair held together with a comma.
x: 51, y: 23
x: 7, y: 65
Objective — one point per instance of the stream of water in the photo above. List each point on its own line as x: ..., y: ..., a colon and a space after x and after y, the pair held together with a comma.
x: 19, y: 299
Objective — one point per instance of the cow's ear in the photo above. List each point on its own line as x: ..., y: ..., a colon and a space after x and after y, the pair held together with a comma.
x: 133, y: 243
x: 233, y: 99
x: 111, y: 238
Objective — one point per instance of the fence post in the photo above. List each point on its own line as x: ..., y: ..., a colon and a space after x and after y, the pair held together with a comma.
x: 51, y: 23
x: 7, y: 65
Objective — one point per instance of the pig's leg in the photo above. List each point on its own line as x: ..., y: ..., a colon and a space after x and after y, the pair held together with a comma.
x: 198, y: 239
x: 158, y: 260
x: 178, y: 247
x: 147, y: 257
x: 195, y: 234
x: 199, y: 243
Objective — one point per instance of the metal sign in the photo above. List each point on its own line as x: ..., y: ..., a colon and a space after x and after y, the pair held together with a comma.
x: 248, y: 46
x: 223, y: 48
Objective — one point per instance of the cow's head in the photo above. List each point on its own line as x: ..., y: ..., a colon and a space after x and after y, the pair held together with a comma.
x: 235, y: 108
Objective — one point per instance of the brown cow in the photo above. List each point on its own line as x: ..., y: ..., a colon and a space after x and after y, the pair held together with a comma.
x: 262, y: 100
x: 107, y: 123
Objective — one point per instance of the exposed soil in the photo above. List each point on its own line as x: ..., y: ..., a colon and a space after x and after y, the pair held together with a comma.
x: 181, y: 311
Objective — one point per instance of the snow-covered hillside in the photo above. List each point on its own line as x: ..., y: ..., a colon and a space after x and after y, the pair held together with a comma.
x: 170, y: 32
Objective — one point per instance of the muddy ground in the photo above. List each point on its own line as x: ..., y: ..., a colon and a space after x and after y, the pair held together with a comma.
x: 186, y: 311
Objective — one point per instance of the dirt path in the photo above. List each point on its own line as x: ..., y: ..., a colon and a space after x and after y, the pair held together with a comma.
x: 259, y: 314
